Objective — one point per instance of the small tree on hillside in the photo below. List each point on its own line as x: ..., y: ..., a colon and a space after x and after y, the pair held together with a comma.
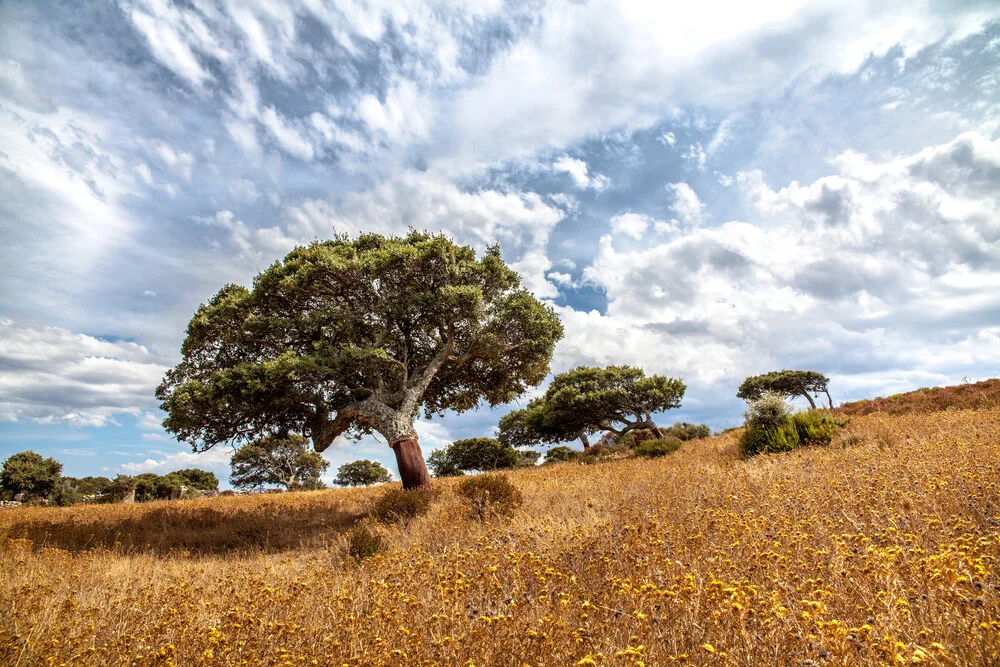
x: 441, y: 464
x: 362, y: 473
x: 586, y: 400
x: 357, y: 336
x: 786, y: 383
x: 480, y: 454
x: 29, y: 473
x: 278, y: 460
x: 195, y: 478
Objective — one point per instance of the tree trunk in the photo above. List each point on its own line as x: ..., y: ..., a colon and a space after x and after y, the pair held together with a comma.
x: 828, y: 399
x: 812, y: 403
x: 586, y: 443
x: 411, y: 464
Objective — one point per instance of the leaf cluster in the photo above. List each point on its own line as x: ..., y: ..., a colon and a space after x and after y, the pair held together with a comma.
x: 586, y: 400
x: 478, y: 454
x: 785, y: 383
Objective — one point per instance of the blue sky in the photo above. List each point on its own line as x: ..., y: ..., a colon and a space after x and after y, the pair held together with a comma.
x: 706, y: 191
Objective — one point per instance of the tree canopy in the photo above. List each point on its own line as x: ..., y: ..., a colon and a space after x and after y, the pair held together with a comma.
x: 355, y: 336
x: 786, y: 383
x: 283, y: 460
x: 479, y: 454
x: 586, y: 400
x: 362, y: 473
x: 29, y: 473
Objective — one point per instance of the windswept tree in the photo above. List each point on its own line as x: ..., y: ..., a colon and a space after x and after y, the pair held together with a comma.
x: 278, y: 460
x: 786, y: 383
x: 586, y: 400
x: 358, y: 336
x: 362, y: 473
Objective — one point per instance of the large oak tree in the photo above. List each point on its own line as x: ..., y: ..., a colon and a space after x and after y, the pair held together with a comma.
x: 357, y: 336
x: 586, y: 400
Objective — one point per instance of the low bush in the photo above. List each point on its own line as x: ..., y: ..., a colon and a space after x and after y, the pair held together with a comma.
x: 400, y: 505
x: 363, y: 542
x: 769, y: 439
x: 687, y: 431
x: 769, y: 427
x: 652, y: 449
x: 490, y: 495
x: 815, y: 427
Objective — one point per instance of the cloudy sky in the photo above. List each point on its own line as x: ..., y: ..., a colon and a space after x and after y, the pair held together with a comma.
x: 708, y: 190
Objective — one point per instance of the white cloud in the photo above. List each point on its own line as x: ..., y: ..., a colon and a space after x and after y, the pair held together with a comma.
x: 287, y: 136
x: 883, y: 266
x: 216, y: 458
x: 17, y: 85
x: 687, y: 206
x: 53, y: 375
x: 631, y: 224
x: 579, y: 171
x: 667, y: 139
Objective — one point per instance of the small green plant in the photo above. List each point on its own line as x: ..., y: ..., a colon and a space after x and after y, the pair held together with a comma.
x: 400, y: 505
x: 490, y: 495
x: 363, y: 542
x: 652, y: 449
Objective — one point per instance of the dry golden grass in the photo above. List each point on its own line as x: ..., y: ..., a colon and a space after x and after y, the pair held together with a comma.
x: 880, y: 549
x: 972, y: 395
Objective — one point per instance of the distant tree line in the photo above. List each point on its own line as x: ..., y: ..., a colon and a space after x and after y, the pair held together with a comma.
x: 30, y: 477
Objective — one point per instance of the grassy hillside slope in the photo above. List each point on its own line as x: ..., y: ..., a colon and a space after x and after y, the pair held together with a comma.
x: 883, y: 548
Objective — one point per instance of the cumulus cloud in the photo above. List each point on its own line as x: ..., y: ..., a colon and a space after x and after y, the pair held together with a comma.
x: 579, y: 172
x: 631, y: 224
x: 686, y: 205
x: 52, y: 375
x: 878, y: 268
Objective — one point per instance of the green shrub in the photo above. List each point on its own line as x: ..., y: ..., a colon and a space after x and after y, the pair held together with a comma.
x: 769, y: 439
x: 652, y: 449
x: 490, y: 495
x: 400, y: 505
x: 687, y: 431
x: 769, y: 411
x: 560, y: 454
x: 634, y: 438
x: 815, y: 427
x: 362, y: 543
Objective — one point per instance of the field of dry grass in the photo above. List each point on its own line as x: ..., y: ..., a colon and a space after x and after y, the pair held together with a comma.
x: 883, y: 548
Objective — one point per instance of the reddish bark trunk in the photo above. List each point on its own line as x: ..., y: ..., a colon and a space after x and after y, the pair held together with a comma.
x: 410, y: 461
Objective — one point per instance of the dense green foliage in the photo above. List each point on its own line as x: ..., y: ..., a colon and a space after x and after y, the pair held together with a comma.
x: 355, y: 336
x: 490, y: 495
x: 652, y: 449
x: 560, y: 454
x: 479, y: 454
x: 815, y: 427
x: 786, y: 383
x: 771, y: 428
x: 362, y: 473
x: 29, y: 473
x: 275, y: 460
x: 88, y: 486
x: 441, y: 464
x: 586, y: 400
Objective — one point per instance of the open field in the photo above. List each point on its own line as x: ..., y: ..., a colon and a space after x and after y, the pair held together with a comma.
x: 883, y: 548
